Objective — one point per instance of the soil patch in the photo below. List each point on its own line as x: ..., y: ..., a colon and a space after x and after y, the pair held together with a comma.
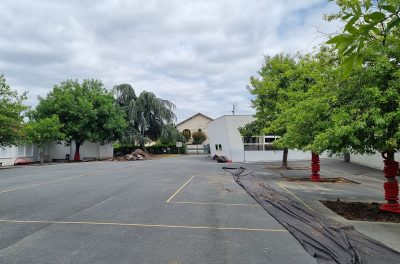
x: 288, y: 168
x: 329, y: 180
x: 361, y: 211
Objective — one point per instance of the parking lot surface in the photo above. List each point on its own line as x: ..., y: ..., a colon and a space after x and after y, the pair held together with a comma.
x: 176, y: 210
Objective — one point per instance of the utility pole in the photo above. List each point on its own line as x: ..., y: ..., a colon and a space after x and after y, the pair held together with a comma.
x: 233, y: 108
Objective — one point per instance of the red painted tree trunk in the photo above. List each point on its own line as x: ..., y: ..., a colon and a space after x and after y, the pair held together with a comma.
x: 77, y: 156
x: 391, y: 186
x: 315, y: 167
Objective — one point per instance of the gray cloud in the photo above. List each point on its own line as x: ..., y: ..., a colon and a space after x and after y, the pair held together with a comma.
x: 198, y: 54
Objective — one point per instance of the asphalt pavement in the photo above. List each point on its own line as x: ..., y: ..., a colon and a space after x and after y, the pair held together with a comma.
x: 175, y: 210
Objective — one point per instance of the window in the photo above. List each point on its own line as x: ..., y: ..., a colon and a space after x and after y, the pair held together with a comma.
x: 218, y: 147
x: 259, y: 143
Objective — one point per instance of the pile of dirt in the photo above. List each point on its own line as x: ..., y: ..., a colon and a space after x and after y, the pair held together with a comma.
x: 138, y: 154
x: 361, y: 211
x: 329, y: 180
x: 221, y: 159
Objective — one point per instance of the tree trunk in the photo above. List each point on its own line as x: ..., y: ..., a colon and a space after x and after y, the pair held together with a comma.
x: 77, y: 156
x: 41, y: 155
x: 315, y: 167
x: 284, y: 158
x: 391, y: 186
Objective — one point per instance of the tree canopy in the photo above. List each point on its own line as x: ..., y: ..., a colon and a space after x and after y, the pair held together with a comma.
x: 170, y: 135
x: 87, y: 111
x: 365, y: 21
x: 43, y: 131
x: 146, y: 114
x: 11, y: 114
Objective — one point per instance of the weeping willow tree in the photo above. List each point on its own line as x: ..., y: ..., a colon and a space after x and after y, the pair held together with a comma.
x: 146, y: 114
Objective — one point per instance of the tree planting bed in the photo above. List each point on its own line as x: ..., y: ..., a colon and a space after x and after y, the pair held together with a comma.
x: 324, y: 180
x: 361, y: 211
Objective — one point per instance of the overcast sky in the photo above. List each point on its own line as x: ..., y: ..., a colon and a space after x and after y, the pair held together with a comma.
x: 198, y: 54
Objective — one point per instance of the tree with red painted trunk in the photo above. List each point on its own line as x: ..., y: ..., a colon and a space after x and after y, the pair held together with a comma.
x: 306, y: 111
x: 367, y: 111
x: 87, y: 111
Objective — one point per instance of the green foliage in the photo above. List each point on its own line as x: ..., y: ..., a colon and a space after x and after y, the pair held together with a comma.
x: 198, y: 137
x: 365, y: 21
x: 86, y: 110
x: 146, y: 115
x: 162, y: 149
x: 170, y: 135
x: 187, y: 134
x: 11, y: 118
x: 43, y: 131
x: 270, y: 88
x: 366, y: 116
x: 306, y: 111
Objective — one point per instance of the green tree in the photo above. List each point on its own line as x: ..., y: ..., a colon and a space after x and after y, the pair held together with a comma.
x: 365, y: 21
x: 146, y: 114
x: 367, y: 111
x: 43, y: 131
x: 198, y: 137
x: 271, y: 90
x: 170, y: 135
x: 187, y: 134
x: 86, y: 110
x: 11, y: 118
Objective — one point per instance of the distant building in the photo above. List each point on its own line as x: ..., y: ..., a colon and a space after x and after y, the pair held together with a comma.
x: 225, y: 140
x: 195, y: 123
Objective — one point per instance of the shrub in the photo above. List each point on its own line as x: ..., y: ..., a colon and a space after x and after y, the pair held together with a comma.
x: 162, y: 149
x: 187, y: 134
x: 198, y: 137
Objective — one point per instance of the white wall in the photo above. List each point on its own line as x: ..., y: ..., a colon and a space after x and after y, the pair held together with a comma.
x: 235, y: 139
x: 270, y: 155
x: 58, y: 151
x: 218, y: 134
x: 8, y: 155
x: 373, y: 161
x: 224, y: 131
x: 106, y: 151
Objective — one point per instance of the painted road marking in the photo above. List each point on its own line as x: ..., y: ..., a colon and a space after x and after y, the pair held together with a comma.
x: 170, y: 198
x: 140, y: 225
x: 295, y: 196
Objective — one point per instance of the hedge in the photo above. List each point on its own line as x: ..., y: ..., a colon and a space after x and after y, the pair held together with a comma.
x: 122, y: 150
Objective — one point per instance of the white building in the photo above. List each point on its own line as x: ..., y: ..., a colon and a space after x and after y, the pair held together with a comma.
x: 54, y: 151
x: 225, y: 140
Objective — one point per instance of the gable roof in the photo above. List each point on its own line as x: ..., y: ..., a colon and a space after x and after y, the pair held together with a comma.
x: 198, y: 114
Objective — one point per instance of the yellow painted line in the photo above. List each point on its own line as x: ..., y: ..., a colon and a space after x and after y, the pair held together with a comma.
x: 295, y: 196
x: 170, y: 198
x: 228, y: 204
x: 141, y: 225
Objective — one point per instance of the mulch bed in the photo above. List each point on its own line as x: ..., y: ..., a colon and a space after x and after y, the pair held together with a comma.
x: 329, y: 180
x: 361, y: 211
